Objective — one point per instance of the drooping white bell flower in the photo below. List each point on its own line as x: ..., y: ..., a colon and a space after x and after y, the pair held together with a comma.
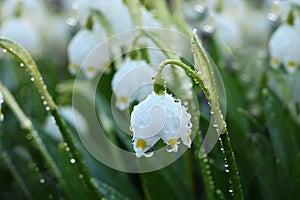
x: 32, y: 10
x: 83, y: 46
x: 22, y: 31
x: 1, y: 101
x: 132, y: 81
x: 160, y: 117
x: 284, y: 47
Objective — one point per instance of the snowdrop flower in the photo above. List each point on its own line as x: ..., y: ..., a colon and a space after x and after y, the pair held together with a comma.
x: 22, y: 32
x: 32, y: 10
x: 132, y: 82
x: 284, y: 47
x: 160, y: 117
x: 1, y: 101
x: 84, y: 43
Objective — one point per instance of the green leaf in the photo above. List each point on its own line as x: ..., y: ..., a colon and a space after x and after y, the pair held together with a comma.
x: 283, y: 132
x: 204, y: 67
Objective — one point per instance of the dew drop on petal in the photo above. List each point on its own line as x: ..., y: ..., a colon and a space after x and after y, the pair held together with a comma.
x: 149, y: 153
x: 169, y: 148
x: 72, y: 161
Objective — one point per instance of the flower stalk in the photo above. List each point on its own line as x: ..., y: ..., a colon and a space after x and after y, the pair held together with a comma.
x: 24, y: 57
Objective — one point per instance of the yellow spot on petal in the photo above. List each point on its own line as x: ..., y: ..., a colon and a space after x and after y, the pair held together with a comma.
x: 291, y: 64
x: 123, y: 100
x: 90, y: 69
x: 73, y: 67
x: 188, y: 138
x: 172, y: 142
x: 141, y: 144
x: 275, y: 61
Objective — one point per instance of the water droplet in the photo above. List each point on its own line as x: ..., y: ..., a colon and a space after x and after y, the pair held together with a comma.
x: 47, y: 108
x: 272, y: 17
x: 149, y: 153
x: 80, y: 176
x: 32, y: 79
x: 199, y: 8
x: 68, y: 149
x: 72, y: 161
x: 21, y: 64
x: 4, y: 50
x: 177, y: 101
x: 45, y: 102
x: 71, y: 22
x: 230, y: 190
x: 169, y: 148
x: 131, y: 128
x: 226, y: 165
x: 226, y: 170
x: 42, y: 181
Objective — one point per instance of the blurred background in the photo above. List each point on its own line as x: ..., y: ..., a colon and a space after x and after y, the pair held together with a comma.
x: 255, y: 46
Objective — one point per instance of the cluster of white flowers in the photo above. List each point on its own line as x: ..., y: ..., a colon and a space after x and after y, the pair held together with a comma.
x: 1, y: 101
x: 113, y: 11
x: 29, y: 22
x: 284, y: 42
x: 226, y: 20
x: 160, y: 117
x: 284, y: 47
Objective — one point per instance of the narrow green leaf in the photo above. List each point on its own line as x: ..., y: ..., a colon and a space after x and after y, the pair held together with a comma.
x: 203, y: 66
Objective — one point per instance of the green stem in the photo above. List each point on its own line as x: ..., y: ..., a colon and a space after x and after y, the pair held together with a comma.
x: 204, y: 168
x: 28, y: 127
x: 135, y: 11
x: 230, y: 164
x: 11, y: 167
x: 163, y: 13
x: 180, y: 64
x: 24, y: 57
x: 160, y: 88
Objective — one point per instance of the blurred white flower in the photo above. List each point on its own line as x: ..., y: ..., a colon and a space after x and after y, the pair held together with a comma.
x: 132, y: 81
x: 22, y: 31
x: 1, y: 101
x: 160, y: 117
x: 31, y: 10
x: 284, y: 47
x: 82, y: 44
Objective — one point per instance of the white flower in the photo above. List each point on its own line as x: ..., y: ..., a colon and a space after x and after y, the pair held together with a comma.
x: 32, y: 10
x: 84, y: 44
x: 1, y: 101
x: 160, y: 117
x: 133, y: 81
x: 22, y: 31
x: 284, y: 47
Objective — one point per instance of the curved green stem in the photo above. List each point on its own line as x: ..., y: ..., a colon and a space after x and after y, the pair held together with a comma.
x: 28, y: 127
x: 160, y: 88
x: 24, y: 57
